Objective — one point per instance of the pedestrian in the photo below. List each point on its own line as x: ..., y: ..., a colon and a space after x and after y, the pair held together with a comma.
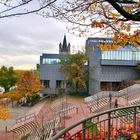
x: 116, y: 103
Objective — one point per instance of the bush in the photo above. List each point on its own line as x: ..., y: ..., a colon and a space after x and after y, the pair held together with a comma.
x: 34, y: 99
x: 78, y: 93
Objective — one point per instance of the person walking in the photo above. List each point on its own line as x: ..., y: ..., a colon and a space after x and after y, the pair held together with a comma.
x: 116, y: 103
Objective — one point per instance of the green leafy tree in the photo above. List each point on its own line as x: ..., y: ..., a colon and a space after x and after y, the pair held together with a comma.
x: 75, y: 71
x: 7, y: 78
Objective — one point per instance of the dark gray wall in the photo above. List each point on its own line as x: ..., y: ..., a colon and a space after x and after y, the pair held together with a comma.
x: 107, y: 70
x: 50, y: 71
x: 94, y: 54
x: 118, y: 73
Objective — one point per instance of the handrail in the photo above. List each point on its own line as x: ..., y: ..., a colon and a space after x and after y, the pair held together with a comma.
x: 63, y: 132
x: 120, y: 93
x: 26, y: 117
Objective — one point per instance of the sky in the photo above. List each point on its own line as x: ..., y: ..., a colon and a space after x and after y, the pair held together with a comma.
x: 24, y: 39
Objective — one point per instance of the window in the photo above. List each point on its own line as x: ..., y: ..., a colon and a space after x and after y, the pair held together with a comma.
x: 46, y: 83
x: 121, y: 55
x: 51, y: 61
x: 58, y: 83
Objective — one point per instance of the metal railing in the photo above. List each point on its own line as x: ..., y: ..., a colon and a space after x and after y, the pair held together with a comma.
x: 26, y: 117
x: 118, y: 123
x: 122, y: 93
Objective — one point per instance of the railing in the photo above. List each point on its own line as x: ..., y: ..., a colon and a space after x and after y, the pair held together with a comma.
x: 119, y: 123
x: 122, y: 93
x: 26, y: 117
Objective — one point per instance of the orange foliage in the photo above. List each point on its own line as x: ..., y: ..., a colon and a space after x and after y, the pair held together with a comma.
x: 122, y: 39
x: 105, y: 18
x: 4, y: 113
x: 107, y: 47
x: 14, y: 95
x: 28, y: 83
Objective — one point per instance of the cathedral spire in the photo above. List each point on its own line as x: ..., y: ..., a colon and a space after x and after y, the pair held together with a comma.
x: 64, y: 48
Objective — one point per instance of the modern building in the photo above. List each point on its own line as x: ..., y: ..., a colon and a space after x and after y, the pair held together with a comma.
x: 110, y: 67
x: 50, y: 75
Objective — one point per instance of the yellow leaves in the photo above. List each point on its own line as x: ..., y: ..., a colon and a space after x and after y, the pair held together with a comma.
x: 104, y: 47
x: 133, y: 136
x: 28, y: 82
x: 14, y: 95
x: 107, y: 47
x: 4, y: 113
x: 92, y: 9
x: 138, y: 39
x: 28, y: 94
x: 97, y: 24
x: 114, y: 46
x: 84, y: 18
x: 114, y: 15
x: 123, y: 39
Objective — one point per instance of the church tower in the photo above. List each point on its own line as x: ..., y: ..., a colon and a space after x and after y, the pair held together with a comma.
x: 64, y: 48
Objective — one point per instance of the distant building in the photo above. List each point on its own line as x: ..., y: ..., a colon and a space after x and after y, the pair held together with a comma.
x: 64, y: 48
x: 110, y: 67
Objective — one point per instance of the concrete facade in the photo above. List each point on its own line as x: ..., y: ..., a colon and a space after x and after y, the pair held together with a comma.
x: 50, y: 74
x: 109, y: 70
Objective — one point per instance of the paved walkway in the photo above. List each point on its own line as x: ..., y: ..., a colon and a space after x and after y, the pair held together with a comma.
x: 43, y: 109
x: 15, y: 113
x: 18, y: 112
x: 83, y: 111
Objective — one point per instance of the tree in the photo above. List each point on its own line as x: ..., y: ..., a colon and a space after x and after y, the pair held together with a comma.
x: 28, y: 84
x: 10, y: 8
x: 4, y: 113
x: 7, y: 78
x: 118, y: 18
x: 74, y: 69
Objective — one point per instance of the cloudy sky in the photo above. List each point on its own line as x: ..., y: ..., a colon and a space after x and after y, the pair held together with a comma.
x: 24, y: 39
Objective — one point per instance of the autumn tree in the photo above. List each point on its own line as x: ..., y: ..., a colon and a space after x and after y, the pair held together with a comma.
x: 28, y: 84
x: 7, y: 78
x: 75, y: 71
x: 10, y: 8
x: 116, y: 18
x: 4, y: 113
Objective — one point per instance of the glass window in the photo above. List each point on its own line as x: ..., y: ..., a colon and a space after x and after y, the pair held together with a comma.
x: 120, y: 55
x: 58, y: 83
x: 51, y: 61
x: 46, y: 83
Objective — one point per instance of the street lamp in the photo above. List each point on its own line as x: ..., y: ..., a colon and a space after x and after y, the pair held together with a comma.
x: 110, y: 95
x: 110, y: 99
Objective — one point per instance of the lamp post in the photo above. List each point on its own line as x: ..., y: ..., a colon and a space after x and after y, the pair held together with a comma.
x: 110, y: 95
x: 110, y: 99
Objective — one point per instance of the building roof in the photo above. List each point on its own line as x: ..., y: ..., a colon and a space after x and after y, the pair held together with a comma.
x: 64, y: 45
